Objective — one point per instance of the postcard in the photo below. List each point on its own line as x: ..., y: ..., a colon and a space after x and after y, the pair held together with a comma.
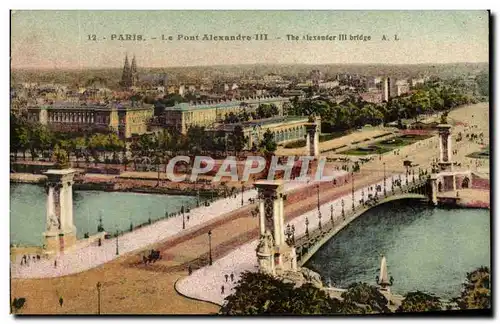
x: 249, y: 162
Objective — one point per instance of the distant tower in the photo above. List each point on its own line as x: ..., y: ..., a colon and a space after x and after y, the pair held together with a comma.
x: 126, y: 75
x: 134, y: 76
x: 386, y: 89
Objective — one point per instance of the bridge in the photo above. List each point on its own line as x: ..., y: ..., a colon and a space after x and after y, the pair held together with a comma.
x: 310, y: 242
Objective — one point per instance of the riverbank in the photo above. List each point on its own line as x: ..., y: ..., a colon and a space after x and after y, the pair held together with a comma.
x: 465, y: 198
x: 111, y: 183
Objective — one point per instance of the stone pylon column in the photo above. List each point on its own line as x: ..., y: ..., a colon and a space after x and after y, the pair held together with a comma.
x: 312, y: 138
x: 60, y: 230
x: 274, y: 254
x: 445, y: 156
x: 271, y: 209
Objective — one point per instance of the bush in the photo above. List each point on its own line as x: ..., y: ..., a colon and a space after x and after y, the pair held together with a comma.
x: 296, y: 144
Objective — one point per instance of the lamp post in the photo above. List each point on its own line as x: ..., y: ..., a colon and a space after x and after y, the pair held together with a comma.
x: 117, y: 252
x: 363, y: 195
x: 352, y: 181
x: 183, y: 219
x: 343, y: 212
x: 98, y: 286
x: 242, y: 189
x: 307, y: 227
x: 319, y: 210
x: 197, y: 192
x: 385, y: 185
x: 319, y: 220
x: 317, y: 191
x: 331, y: 214
x: 210, y: 247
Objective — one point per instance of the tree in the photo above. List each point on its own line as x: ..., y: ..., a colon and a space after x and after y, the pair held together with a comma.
x: 19, y: 135
x: 18, y: 303
x: 368, y: 296
x: 60, y: 156
x: 419, y: 302
x: 476, y: 290
x: 268, y: 144
x: 483, y: 84
x: 267, y: 110
x: 258, y: 293
x: 238, y: 139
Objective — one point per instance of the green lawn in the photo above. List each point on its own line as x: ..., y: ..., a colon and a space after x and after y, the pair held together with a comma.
x: 384, y: 146
x: 485, y: 154
x: 372, y: 149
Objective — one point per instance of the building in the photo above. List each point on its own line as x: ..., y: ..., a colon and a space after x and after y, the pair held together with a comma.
x: 373, y: 83
x: 294, y: 93
x: 272, y: 78
x: 373, y: 96
x: 399, y: 88
x: 328, y: 84
x: 415, y: 82
x: 206, y: 113
x: 316, y: 77
x: 130, y: 76
x: 284, y: 129
x: 126, y: 120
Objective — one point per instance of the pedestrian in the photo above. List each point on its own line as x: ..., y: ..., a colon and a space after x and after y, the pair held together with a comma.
x: 222, y: 290
x: 232, y: 277
x: 55, y: 263
x: 61, y: 301
x: 190, y: 270
x: 38, y: 257
x: 226, y: 276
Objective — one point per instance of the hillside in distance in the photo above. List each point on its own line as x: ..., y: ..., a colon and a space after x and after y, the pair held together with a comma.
x: 229, y: 73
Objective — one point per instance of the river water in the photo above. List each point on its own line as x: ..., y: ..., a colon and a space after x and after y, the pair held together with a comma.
x: 427, y: 249
x: 117, y: 209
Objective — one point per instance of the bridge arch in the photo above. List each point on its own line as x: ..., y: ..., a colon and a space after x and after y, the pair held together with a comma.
x: 306, y: 249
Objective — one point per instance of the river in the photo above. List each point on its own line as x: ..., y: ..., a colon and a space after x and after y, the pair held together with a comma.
x: 117, y: 209
x: 427, y: 249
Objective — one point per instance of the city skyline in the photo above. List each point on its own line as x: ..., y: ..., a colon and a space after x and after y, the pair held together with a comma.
x: 60, y: 39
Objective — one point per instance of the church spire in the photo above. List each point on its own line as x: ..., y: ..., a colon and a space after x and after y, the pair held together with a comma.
x: 134, y: 76
x: 133, y: 67
x: 126, y: 75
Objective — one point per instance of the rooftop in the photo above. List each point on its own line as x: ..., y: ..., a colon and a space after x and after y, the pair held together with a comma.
x: 92, y: 106
x: 184, y: 106
x: 263, y: 122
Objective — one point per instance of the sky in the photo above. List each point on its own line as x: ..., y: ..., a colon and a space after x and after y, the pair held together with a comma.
x: 60, y: 39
